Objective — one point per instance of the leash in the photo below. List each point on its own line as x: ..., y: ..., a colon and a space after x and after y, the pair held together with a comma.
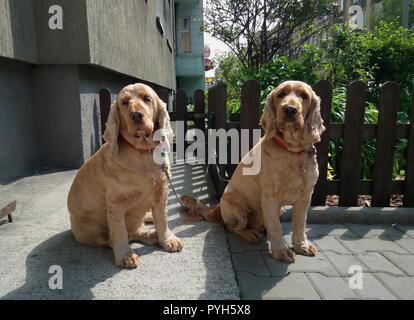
x: 164, y: 168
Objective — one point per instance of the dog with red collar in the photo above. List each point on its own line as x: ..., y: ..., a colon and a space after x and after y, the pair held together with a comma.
x: 124, y: 182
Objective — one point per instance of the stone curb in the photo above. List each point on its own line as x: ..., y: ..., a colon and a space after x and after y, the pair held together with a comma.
x: 361, y: 215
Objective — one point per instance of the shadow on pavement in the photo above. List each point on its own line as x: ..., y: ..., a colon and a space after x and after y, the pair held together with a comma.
x: 83, y: 267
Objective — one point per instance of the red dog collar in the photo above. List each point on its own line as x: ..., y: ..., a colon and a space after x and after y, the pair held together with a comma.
x: 280, y: 142
x: 131, y: 145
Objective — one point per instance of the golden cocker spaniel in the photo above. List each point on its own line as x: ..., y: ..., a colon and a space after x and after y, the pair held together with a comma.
x: 121, y: 183
x: 288, y: 173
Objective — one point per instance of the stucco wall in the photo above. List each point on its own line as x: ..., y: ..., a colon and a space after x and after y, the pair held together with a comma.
x: 69, y: 45
x: 18, y: 31
x: 120, y: 35
x: 123, y: 36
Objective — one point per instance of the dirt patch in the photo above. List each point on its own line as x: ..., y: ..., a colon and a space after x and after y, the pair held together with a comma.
x: 365, y: 200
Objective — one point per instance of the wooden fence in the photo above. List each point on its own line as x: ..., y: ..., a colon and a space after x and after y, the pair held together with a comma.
x: 353, y: 131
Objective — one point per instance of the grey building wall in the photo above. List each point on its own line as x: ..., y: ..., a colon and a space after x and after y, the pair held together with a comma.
x: 124, y: 37
x: 69, y: 45
x: 18, y: 38
x: 120, y: 35
x: 50, y: 79
x: 57, y: 116
x: 17, y: 142
x: 50, y: 115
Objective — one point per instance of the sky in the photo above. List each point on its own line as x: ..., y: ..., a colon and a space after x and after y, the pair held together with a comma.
x: 216, y: 46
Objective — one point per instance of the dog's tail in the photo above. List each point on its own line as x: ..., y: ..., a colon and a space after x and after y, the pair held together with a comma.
x: 198, y: 211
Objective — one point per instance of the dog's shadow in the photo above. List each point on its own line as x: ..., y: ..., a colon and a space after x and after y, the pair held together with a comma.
x: 82, y: 269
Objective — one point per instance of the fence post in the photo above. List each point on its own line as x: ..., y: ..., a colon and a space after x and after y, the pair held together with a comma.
x: 199, y: 107
x: 181, y: 115
x: 409, y: 177
x: 220, y: 122
x: 384, y: 154
x: 217, y: 102
x: 104, y: 106
x: 352, y: 147
x: 250, y: 111
x: 323, y: 89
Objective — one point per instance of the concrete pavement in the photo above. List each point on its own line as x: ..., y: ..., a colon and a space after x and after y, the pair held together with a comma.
x: 214, y: 264
x: 40, y: 237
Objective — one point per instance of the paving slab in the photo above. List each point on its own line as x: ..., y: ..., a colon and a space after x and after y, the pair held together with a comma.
x: 295, y: 286
x: 40, y: 237
x: 406, y: 229
x: 376, y: 262
x: 402, y: 287
x: 403, y: 262
x: 368, y: 231
x: 317, y: 264
x: 334, y: 230
x: 407, y: 244
x: 363, y: 245
x: 240, y: 245
x: 332, y: 288
x: 372, y: 289
x: 329, y: 243
x: 321, y: 230
x: 343, y: 262
x: 250, y: 261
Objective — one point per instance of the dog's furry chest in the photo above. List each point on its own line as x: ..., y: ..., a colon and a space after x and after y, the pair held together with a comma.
x: 291, y: 183
x: 141, y: 189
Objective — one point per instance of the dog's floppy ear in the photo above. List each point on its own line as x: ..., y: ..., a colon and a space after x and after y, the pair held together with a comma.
x: 268, y: 120
x: 163, y: 118
x: 112, y: 129
x: 313, y: 122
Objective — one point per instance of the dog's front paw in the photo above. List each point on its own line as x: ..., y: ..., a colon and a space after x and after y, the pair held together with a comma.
x: 285, y: 255
x: 172, y: 244
x: 129, y: 260
x: 306, y: 249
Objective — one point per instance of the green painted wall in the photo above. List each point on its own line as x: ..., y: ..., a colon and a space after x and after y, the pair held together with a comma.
x: 190, y: 66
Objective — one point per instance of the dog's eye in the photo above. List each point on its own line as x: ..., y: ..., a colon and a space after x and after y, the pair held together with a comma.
x: 282, y: 95
x: 304, y: 96
x: 125, y: 102
x: 147, y: 98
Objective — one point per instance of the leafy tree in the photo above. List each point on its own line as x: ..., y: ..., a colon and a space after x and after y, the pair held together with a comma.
x: 389, y: 10
x: 256, y: 30
x: 385, y: 54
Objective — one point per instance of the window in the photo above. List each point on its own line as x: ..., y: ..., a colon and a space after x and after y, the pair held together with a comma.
x: 184, y: 34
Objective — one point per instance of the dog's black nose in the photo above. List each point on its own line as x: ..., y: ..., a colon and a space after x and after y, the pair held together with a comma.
x: 290, y: 111
x: 137, y: 116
